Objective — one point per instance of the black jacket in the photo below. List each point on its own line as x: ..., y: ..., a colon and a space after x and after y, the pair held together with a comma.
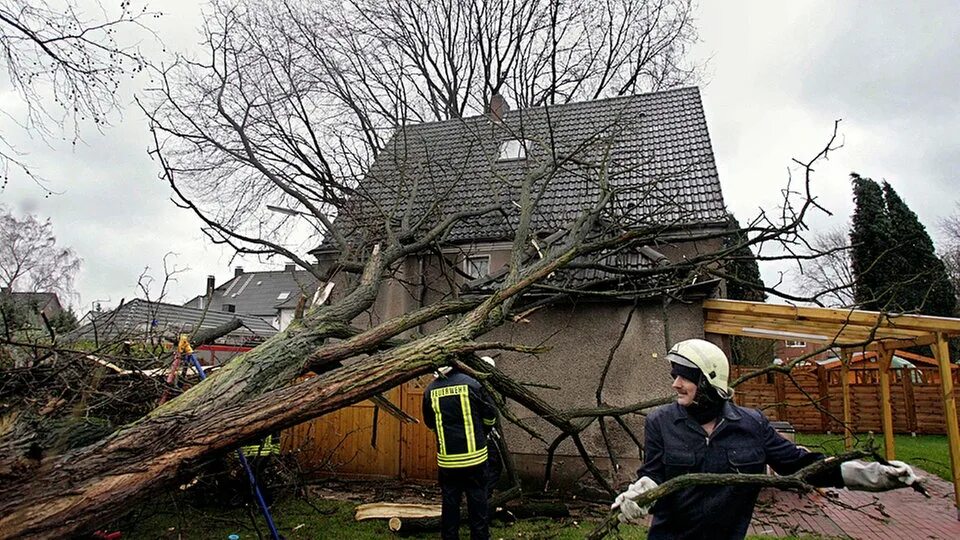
x: 742, y: 442
x: 460, y: 412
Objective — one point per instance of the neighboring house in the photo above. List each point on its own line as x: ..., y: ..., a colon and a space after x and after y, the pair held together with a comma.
x: 272, y: 296
x: 33, y: 304
x: 660, y: 160
x: 787, y: 350
x: 864, y: 368
x: 157, y: 322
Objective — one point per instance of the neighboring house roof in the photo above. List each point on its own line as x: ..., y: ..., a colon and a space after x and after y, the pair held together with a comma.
x: 46, y: 302
x: 660, y: 160
x: 260, y: 293
x: 900, y: 359
x: 141, y: 318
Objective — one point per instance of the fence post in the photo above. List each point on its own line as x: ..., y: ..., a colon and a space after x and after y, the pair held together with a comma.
x: 847, y: 408
x: 824, y: 395
x: 780, y: 393
x: 906, y: 376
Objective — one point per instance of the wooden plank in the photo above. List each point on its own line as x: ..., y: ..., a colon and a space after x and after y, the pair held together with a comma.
x: 829, y: 331
x: 847, y: 412
x: 926, y: 323
x: 886, y: 357
x: 941, y: 351
x: 383, y: 510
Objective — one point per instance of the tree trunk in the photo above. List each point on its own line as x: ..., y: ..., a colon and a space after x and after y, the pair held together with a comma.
x: 90, y: 486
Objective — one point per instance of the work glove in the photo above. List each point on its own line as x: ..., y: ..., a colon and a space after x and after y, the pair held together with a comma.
x: 874, y: 476
x: 630, y: 511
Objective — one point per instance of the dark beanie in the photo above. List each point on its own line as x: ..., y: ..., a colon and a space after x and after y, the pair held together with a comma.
x: 708, y: 403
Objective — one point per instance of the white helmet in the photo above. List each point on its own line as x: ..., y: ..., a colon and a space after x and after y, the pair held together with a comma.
x: 489, y: 361
x: 708, y: 358
x: 443, y: 371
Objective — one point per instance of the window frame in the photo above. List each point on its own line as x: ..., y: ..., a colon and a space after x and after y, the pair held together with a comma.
x: 465, y: 265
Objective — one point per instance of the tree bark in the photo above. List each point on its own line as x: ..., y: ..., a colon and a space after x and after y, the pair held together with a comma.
x: 76, y: 491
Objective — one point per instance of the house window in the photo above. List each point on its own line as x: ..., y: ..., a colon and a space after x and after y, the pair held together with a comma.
x: 477, y: 266
x: 513, y: 149
x: 795, y: 344
x: 283, y: 296
x: 230, y: 308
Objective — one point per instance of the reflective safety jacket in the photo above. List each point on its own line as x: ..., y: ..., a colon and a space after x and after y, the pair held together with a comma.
x: 460, y: 412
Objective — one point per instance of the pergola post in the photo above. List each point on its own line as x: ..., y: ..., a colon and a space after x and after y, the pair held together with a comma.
x: 941, y: 351
x: 886, y: 408
x: 845, y: 358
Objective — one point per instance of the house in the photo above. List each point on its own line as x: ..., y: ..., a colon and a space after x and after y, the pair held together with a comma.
x: 35, y: 305
x: 787, y: 350
x: 161, y: 324
x: 658, y: 156
x: 272, y: 295
x: 864, y: 369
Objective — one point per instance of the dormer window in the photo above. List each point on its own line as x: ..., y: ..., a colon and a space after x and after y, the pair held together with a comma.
x: 477, y: 266
x: 513, y: 149
x: 283, y: 296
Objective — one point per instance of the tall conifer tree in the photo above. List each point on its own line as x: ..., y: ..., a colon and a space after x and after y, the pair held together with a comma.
x: 870, y: 241
x: 918, y: 278
x: 747, y: 284
x: 742, y: 266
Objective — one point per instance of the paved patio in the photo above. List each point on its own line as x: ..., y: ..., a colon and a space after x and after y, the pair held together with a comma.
x: 897, y: 514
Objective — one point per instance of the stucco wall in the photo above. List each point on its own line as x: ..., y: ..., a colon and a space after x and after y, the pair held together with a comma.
x: 581, y: 338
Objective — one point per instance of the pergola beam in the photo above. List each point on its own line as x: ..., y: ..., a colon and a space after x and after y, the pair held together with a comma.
x: 923, y: 323
x: 886, y: 407
x: 846, y: 357
x: 852, y: 329
x: 814, y: 335
x: 941, y: 351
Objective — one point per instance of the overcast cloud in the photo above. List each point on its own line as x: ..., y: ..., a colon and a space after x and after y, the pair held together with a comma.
x: 779, y: 74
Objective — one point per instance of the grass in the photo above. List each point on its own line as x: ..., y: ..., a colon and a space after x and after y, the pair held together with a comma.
x: 324, y: 519
x: 929, y: 452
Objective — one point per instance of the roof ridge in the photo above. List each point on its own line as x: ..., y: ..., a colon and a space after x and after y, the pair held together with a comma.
x: 552, y: 106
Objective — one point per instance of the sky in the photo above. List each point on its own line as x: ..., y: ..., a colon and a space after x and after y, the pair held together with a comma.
x: 777, y: 76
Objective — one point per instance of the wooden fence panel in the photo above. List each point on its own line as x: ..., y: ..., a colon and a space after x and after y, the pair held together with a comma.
x: 914, y: 394
x: 342, y: 441
x: 418, y: 445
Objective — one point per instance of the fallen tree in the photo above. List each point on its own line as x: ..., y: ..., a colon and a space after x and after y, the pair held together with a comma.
x: 244, y: 122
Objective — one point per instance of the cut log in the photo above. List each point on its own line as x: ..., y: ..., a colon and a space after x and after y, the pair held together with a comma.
x: 403, y: 527
x: 396, y: 510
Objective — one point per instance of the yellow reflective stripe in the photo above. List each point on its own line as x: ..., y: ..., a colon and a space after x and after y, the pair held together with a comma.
x: 462, y: 460
x: 438, y: 419
x: 468, y: 423
x: 489, y: 422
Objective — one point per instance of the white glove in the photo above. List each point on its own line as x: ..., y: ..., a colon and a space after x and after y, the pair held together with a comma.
x: 630, y: 511
x: 864, y: 476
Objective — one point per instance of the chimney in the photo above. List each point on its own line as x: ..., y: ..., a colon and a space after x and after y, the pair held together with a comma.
x: 498, y: 108
x: 237, y: 271
x: 211, y: 285
x: 290, y: 267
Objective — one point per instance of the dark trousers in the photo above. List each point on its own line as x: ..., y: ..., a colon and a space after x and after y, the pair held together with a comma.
x: 454, y: 483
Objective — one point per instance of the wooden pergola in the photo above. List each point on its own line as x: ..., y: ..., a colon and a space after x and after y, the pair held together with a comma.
x: 852, y: 330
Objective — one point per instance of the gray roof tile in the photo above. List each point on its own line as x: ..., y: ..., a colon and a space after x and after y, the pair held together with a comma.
x: 660, y: 160
x: 139, y: 318
x: 261, y: 293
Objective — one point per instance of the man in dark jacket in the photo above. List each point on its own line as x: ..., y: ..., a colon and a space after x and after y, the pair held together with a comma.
x: 705, y: 432
x: 460, y: 412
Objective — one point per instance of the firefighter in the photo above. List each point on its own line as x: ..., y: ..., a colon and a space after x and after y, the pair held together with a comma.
x: 703, y: 431
x: 460, y: 413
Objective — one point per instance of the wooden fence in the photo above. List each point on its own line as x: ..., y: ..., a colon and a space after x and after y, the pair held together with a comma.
x: 361, y: 440
x: 811, y: 399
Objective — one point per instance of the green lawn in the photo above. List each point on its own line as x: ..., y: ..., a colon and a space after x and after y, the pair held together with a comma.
x: 929, y: 452
x: 322, y: 519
